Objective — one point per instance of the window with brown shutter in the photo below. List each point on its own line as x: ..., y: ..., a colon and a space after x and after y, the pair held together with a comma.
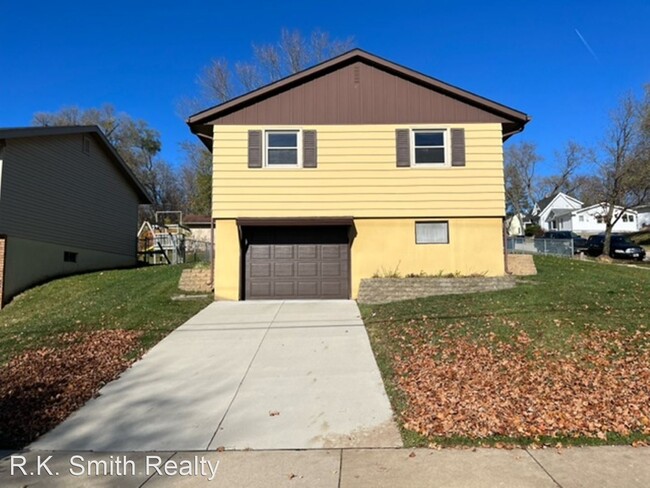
x: 458, y: 147
x: 403, y: 147
x: 309, y: 149
x: 254, y: 148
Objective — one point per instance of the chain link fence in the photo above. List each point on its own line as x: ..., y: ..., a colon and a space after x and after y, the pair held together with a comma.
x: 530, y: 245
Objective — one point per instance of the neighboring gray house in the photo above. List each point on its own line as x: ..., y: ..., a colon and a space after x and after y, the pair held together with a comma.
x: 68, y: 204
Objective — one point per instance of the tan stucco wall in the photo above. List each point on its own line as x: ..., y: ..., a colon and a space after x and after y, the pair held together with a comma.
x: 29, y: 262
x: 227, y: 260
x: 385, y: 245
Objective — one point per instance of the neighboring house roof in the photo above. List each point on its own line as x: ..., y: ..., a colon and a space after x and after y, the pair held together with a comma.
x: 560, y: 212
x: 548, y: 201
x: 311, y: 108
x: 24, y: 132
x: 642, y: 208
x: 544, y: 202
x: 603, y: 205
x: 190, y: 220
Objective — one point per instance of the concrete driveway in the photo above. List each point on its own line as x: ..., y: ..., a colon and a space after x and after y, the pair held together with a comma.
x: 260, y: 375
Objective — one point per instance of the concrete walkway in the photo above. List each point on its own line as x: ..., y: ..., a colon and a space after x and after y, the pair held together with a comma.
x: 602, y: 467
x: 260, y: 375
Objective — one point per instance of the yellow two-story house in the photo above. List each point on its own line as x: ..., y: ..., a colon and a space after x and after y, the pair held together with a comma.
x: 353, y: 168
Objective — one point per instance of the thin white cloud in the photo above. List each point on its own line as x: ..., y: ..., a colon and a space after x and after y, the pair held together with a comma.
x: 586, y: 44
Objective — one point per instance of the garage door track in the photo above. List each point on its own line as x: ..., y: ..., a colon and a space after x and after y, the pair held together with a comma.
x: 259, y: 375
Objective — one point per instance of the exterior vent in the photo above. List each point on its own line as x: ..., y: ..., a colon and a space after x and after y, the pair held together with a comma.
x: 357, y: 75
x: 86, y: 145
x: 69, y: 257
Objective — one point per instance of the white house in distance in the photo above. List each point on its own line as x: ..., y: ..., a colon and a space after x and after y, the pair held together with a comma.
x: 554, y: 203
x: 644, y: 215
x: 516, y: 224
x: 563, y: 212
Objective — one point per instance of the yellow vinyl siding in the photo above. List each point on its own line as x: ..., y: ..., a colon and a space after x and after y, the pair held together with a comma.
x: 357, y: 176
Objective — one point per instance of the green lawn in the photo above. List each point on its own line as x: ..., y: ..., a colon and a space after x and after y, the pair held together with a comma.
x: 576, y: 332
x: 134, y: 299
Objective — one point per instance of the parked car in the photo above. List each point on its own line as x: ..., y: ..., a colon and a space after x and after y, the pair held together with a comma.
x: 620, y: 247
x: 579, y: 243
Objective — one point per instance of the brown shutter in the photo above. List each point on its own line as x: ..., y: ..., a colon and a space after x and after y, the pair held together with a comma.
x: 309, y: 149
x: 402, y: 144
x: 458, y: 147
x: 254, y: 148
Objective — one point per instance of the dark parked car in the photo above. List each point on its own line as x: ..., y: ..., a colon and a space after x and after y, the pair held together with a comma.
x: 621, y: 247
x: 579, y: 243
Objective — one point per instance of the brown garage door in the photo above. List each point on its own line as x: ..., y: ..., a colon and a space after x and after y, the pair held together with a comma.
x: 296, y: 262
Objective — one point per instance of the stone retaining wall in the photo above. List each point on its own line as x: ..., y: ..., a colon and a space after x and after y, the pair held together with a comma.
x: 196, y: 279
x: 382, y: 290
x: 521, y: 265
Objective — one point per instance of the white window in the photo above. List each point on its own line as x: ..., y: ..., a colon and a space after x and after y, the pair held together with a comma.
x: 624, y: 218
x: 581, y: 218
x: 630, y: 218
x: 282, y: 148
x: 430, y: 147
x: 432, y: 232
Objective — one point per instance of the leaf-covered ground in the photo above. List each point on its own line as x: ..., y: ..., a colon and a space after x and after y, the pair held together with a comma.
x: 563, y: 357
x: 61, y: 342
x: 40, y: 388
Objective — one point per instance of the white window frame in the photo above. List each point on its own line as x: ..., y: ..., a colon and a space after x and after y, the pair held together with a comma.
x: 415, y: 229
x: 445, y: 145
x: 298, y: 133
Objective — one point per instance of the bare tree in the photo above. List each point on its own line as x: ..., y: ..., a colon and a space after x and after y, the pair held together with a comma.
x: 249, y: 75
x: 520, y: 161
x: 196, y: 178
x: 589, y: 189
x: 215, y: 81
x: 568, y: 162
x: 295, y: 50
x: 270, y: 62
x: 269, y: 59
x: 624, y: 167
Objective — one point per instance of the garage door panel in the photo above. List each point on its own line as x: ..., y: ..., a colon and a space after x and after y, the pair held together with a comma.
x: 259, y: 289
x: 282, y: 269
x: 284, y: 288
x: 333, y: 289
x: 331, y: 269
x: 296, y: 262
x: 307, y: 251
x: 307, y: 269
x: 261, y: 270
x: 332, y: 251
x: 307, y: 289
x: 283, y: 251
x: 260, y: 251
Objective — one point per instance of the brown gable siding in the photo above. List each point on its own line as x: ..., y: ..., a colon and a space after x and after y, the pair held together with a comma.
x: 358, y: 94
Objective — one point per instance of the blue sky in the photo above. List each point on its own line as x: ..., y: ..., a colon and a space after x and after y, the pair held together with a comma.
x: 143, y: 56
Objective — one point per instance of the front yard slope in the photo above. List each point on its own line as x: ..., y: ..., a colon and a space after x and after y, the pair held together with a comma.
x: 61, y: 342
x: 562, y: 358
